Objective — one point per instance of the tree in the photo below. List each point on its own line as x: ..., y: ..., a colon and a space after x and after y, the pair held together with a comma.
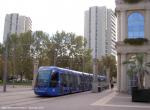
x: 109, y: 63
x: 101, y: 67
x: 87, y: 61
x: 62, y: 49
x: 137, y: 66
x: 39, y: 44
x: 23, y: 57
x: 10, y: 44
x: 1, y: 49
x: 1, y: 61
x: 59, y: 48
x: 19, y: 57
x: 68, y: 50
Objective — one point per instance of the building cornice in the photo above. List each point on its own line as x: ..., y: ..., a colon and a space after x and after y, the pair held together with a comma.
x: 129, y: 7
x: 123, y: 48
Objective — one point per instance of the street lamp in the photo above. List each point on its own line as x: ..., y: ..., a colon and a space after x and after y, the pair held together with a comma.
x: 35, y: 71
x: 5, y: 54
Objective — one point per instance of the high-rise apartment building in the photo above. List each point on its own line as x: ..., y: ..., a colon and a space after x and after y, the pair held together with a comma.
x: 100, y: 31
x: 16, y: 24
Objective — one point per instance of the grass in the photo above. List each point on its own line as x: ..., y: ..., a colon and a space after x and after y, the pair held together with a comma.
x: 29, y: 83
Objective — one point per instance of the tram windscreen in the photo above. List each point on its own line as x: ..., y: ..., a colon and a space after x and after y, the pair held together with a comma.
x: 43, y: 77
x: 54, y: 79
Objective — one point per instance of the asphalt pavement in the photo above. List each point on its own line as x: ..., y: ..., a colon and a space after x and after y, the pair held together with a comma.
x: 23, y: 98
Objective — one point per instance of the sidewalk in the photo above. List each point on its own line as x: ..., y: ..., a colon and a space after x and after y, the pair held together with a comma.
x: 16, y: 88
x: 120, y: 100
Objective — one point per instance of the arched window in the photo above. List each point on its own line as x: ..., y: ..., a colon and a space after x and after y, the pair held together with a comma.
x: 135, y: 25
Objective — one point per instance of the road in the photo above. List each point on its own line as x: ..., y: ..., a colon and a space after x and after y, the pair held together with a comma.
x: 106, y: 100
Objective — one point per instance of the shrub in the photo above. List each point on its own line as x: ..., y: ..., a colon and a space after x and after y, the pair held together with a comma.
x: 135, y: 41
x: 132, y: 1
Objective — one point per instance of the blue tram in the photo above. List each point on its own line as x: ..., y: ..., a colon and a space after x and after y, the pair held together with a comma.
x: 55, y: 81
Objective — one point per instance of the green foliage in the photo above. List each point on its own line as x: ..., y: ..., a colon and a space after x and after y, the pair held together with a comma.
x: 68, y: 51
x: 25, y: 83
x: 136, y: 41
x: 61, y: 49
x: 1, y: 49
x: 19, y: 56
x: 132, y: 1
x: 1, y: 66
x: 108, y: 62
x: 137, y: 66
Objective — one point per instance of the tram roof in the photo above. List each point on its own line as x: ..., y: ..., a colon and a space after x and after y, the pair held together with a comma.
x: 62, y: 69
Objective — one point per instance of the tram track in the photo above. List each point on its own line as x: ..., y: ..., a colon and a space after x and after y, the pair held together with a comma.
x: 14, y: 97
x: 31, y: 101
x: 34, y: 100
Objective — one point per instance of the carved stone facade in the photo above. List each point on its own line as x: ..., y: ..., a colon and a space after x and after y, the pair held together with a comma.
x: 124, y: 51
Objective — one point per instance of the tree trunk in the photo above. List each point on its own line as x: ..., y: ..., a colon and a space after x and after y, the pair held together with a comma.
x: 140, y: 81
x: 139, y: 84
x: 21, y: 76
x: 108, y: 76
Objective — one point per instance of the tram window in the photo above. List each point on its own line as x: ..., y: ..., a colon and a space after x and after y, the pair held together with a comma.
x: 67, y: 79
x: 64, y: 80
x: 74, y: 81
x: 54, y: 76
x: 43, y: 77
x: 70, y: 80
x: 54, y: 79
x: 79, y: 80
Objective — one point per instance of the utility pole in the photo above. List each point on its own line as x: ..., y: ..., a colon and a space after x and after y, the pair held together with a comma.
x: 95, y: 80
x: 5, y: 68
x: 14, y: 62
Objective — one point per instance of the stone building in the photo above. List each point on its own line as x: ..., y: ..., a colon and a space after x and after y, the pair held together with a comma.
x: 133, y: 22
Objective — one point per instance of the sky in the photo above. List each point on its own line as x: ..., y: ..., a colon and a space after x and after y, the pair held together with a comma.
x: 51, y: 15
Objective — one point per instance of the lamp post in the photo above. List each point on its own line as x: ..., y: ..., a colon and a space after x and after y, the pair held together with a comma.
x: 95, y: 82
x: 5, y: 54
x: 14, y: 62
x: 35, y: 71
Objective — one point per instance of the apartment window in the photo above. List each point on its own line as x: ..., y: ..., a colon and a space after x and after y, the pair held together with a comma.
x: 136, y: 25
